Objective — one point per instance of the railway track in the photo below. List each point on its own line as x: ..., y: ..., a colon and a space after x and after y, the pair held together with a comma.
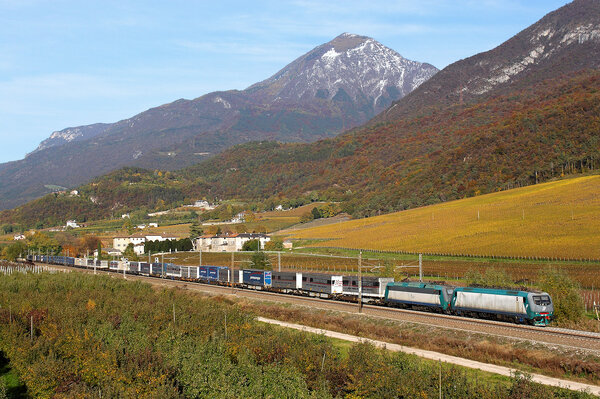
x: 581, y: 340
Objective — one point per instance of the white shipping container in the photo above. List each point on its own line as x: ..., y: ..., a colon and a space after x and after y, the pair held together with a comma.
x: 337, y: 284
x: 495, y: 302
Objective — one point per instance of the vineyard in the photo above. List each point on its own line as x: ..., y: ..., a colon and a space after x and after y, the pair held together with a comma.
x: 556, y: 221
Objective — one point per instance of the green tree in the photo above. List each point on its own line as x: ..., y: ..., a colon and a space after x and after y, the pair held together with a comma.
x: 493, y: 278
x: 42, y: 243
x: 306, y: 217
x: 564, y: 291
x: 195, y: 230
x: 316, y: 213
x: 128, y: 226
x: 129, y: 253
x: 14, y: 250
x: 260, y: 260
x: 250, y: 245
x: 276, y: 244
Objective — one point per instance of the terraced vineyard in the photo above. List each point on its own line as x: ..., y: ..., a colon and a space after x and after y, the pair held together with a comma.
x: 557, y: 220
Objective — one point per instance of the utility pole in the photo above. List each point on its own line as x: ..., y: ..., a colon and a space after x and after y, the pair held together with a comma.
x: 163, y: 264
x: 421, y: 267
x: 279, y: 260
x: 440, y: 384
x: 199, y: 256
x: 360, y: 304
x: 232, y: 273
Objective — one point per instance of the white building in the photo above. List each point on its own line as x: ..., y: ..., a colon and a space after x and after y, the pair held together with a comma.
x: 19, y: 237
x: 203, y: 205
x: 228, y: 242
x: 138, y: 240
x: 121, y: 242
x: 239, y: 218
x: 125, y: 216
x: 72, y: 224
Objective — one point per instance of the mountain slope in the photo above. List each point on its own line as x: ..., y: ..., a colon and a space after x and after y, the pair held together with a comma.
x: 336, y: 86
x: 563, y: 41
x: 535, y: 134
x: 537, y: 126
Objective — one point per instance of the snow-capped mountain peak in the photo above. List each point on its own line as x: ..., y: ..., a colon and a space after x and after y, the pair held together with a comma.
x: 348, y: 68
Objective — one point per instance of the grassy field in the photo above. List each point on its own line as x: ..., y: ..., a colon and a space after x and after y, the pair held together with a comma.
x: 553, y: 220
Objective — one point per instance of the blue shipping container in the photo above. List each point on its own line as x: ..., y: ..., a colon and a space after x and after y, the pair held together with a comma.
x: 257, y: 277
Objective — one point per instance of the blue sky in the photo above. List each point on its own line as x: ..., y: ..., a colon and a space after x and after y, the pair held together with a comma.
x: 71, y: 63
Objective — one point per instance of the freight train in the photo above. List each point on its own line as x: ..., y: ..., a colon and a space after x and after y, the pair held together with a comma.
x: 509, y: 305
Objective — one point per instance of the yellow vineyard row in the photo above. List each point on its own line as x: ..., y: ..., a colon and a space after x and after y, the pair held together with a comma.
x: 558, y: 219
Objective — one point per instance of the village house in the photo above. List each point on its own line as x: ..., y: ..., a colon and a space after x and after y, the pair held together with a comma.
x: 72, y: 224
x: 138, y: 240
x: 228, y: 242
x: 203, y: 205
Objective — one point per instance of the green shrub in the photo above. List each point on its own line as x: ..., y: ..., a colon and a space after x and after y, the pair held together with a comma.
x: 568, y: 303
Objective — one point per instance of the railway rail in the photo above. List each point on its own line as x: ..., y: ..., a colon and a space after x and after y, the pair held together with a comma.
x: 581, y: 340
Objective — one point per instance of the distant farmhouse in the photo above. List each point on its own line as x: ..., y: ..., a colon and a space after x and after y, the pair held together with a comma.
x: 72, y: 224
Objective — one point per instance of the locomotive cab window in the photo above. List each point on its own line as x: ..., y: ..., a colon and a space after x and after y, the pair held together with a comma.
x: 542, y: 300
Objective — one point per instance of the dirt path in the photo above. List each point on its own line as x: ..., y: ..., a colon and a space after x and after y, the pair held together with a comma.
x: 541, y: 379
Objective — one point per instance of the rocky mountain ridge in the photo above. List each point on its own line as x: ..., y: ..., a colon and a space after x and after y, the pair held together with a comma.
x: 564, y: 41
x: 338, y: 85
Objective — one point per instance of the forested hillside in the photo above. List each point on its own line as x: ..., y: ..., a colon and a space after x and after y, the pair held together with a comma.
x: 535, y: 134
x: 531, y: 135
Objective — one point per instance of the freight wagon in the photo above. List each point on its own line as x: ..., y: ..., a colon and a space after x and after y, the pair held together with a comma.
x: 287, y: 281
x: 372, y: 287
x: 256, y: 279
x: 511, y: 305
x: 323, y: 285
